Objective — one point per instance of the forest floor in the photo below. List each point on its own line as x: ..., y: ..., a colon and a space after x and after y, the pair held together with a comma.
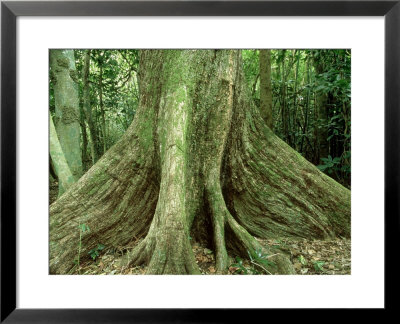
x: 315, y: 257
x: 309, y: 257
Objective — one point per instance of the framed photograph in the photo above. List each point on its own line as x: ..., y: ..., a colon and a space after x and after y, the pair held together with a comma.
x: 252, y: 145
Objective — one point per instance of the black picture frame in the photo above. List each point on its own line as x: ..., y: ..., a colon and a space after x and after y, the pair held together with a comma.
x: 10, y: 10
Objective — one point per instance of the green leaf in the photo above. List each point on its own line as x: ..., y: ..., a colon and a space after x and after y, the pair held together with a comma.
x: 267, y: 263
x: 83, y: 227
x: 318, y: 265
x: 302, y: 260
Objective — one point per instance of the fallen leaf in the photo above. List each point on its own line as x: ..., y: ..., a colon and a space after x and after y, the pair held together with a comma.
x: 297, y: 266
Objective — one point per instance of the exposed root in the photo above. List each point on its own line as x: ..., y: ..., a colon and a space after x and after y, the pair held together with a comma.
x: 138, y: 256
x: 280, y: 264
x: 218, y: 216
x: 178, y: 259
x: 244, y: 241
x: 163, y: 259
x: 164, y: 251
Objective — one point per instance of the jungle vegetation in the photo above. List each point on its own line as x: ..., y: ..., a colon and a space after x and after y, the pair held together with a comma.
x: 220, y: 147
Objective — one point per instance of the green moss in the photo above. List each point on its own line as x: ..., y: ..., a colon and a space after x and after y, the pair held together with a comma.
x: 63, y: 62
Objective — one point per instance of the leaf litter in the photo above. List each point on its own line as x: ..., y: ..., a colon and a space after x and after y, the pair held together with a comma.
x: 309, y: 257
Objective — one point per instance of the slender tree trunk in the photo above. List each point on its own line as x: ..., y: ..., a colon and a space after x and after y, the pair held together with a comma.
x: 87, y: 108
x: 103, y: 120
x: 84, y: 140
x: 254, y: 87
x: 294, y: 121
x: 265, y: 87
x: 322, y: 111
x: 307, y: 107
x: 197, y: 161
x: 283, y: 96
x: 64, y: 175
x: 64, y: 77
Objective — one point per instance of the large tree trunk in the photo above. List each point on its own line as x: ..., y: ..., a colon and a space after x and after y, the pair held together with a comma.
x: 67, y: 114
x: 197, y: 161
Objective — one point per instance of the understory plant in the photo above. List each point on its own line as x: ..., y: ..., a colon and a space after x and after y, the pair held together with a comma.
x: 259, y: 263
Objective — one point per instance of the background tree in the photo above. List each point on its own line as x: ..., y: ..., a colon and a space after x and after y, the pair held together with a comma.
x: 66, y: 102
x: 197, y: 161
x: 311, y: 92
x: 109, y: 92
x: 322, y: 102
x: 61, y: 168
x: 265, y: 87
x: 87, y: 108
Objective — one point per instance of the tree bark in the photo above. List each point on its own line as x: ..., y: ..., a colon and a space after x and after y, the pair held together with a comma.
x: 197, y: 161
x: 265, y: 87
x: 103, y: 120
x: 64, y: 77
x: 64, y: 175
x: 87, y: 108
x: 84, y: 140
x: 52, y: 171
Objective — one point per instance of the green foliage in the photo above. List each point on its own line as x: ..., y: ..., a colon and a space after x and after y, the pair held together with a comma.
x: 311, y: 96
x: 94, y: 253
x: 258, y: 258
x: 252, y: 72
x: 113, y: 74
x: 318, y: 266
x: 330, y: 165
x: 259, y: 263
x: 84, y: 228
x: 241, y: 269
x: 302, y: 260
